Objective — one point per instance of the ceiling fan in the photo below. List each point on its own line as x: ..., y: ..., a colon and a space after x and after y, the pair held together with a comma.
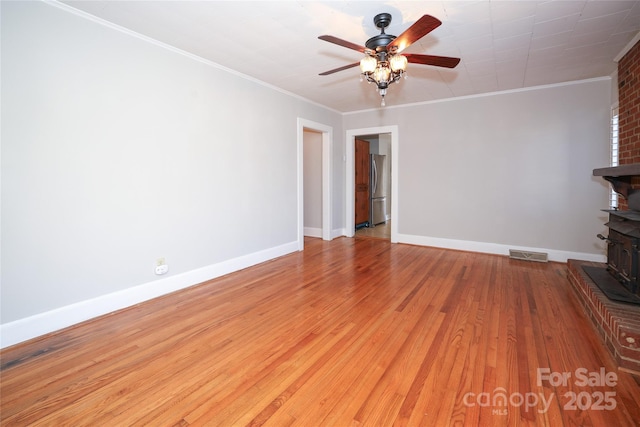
x: 383, y: 64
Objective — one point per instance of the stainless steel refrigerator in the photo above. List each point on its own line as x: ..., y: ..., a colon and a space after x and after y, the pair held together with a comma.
x: 378, y: 190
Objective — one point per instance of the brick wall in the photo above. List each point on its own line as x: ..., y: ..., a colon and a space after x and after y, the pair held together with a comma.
x: 629, y: 106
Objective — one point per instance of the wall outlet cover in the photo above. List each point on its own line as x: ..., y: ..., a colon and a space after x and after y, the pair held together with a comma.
x: 162, y: 269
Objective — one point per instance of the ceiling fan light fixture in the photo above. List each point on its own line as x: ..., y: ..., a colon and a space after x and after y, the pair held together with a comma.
x: 382, y: 74
x: 368, y: 64
x: 398, y: 63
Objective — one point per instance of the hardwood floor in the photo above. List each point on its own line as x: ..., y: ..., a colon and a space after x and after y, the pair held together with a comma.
x: 356, y: 332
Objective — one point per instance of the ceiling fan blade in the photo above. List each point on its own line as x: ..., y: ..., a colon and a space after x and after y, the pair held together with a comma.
x: 419, y: 29
x: 438, y: 61
x: 335, y: 70
x: 343, y: 43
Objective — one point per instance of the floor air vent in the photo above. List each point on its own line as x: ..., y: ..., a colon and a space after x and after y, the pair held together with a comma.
x: 528, y: 256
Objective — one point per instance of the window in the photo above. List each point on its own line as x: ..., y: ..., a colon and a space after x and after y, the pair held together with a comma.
x: 613, y: 196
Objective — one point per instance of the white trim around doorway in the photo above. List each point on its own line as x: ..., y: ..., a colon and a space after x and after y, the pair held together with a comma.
x: 350, y: 177
x: 327, y: 149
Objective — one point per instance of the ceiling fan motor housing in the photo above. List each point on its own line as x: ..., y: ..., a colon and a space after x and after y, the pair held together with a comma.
x: 379, y: 43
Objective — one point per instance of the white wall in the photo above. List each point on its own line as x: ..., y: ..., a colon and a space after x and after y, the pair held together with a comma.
x: 510, y: 169
x: 117, y: 151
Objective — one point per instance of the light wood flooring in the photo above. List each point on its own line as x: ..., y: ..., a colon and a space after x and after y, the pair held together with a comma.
x: 380, y: 231
x: 352, y: 332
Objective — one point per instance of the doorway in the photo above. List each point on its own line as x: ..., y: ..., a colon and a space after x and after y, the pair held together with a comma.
x: 312, y: 183
x: 327, y: 149
x: 373, y: 186
x: 391, y: 134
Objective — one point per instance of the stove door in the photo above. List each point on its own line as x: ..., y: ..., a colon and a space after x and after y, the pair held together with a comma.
x: 620, y: 256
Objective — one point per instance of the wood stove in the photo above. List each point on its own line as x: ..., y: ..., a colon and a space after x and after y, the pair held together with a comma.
x: 620, y: 280
x: 623, y: 248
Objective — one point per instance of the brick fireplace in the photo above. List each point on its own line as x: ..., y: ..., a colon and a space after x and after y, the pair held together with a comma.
x: 629, y: 106
x: 618, y: 322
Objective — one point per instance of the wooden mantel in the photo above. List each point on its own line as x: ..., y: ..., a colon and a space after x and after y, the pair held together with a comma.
x: 619, y: 171
x: 621, y: 178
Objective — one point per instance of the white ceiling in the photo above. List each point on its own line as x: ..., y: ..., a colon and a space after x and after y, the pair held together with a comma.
x: 503, y: 44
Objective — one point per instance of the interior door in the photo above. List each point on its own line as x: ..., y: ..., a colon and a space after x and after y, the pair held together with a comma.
x: 362, y: 182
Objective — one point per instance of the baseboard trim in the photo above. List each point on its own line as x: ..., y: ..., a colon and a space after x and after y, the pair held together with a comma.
x: 313, y: 232
x: 40, y: 324
x: 317, y: 232
x: 496, y: 248
x: 338, y: 232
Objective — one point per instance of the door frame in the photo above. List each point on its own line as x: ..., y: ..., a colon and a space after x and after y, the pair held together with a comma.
x: 350, y: 189
x: 327, y: 150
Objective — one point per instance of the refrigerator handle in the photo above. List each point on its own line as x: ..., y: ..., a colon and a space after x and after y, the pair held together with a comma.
x: 375, y: 176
